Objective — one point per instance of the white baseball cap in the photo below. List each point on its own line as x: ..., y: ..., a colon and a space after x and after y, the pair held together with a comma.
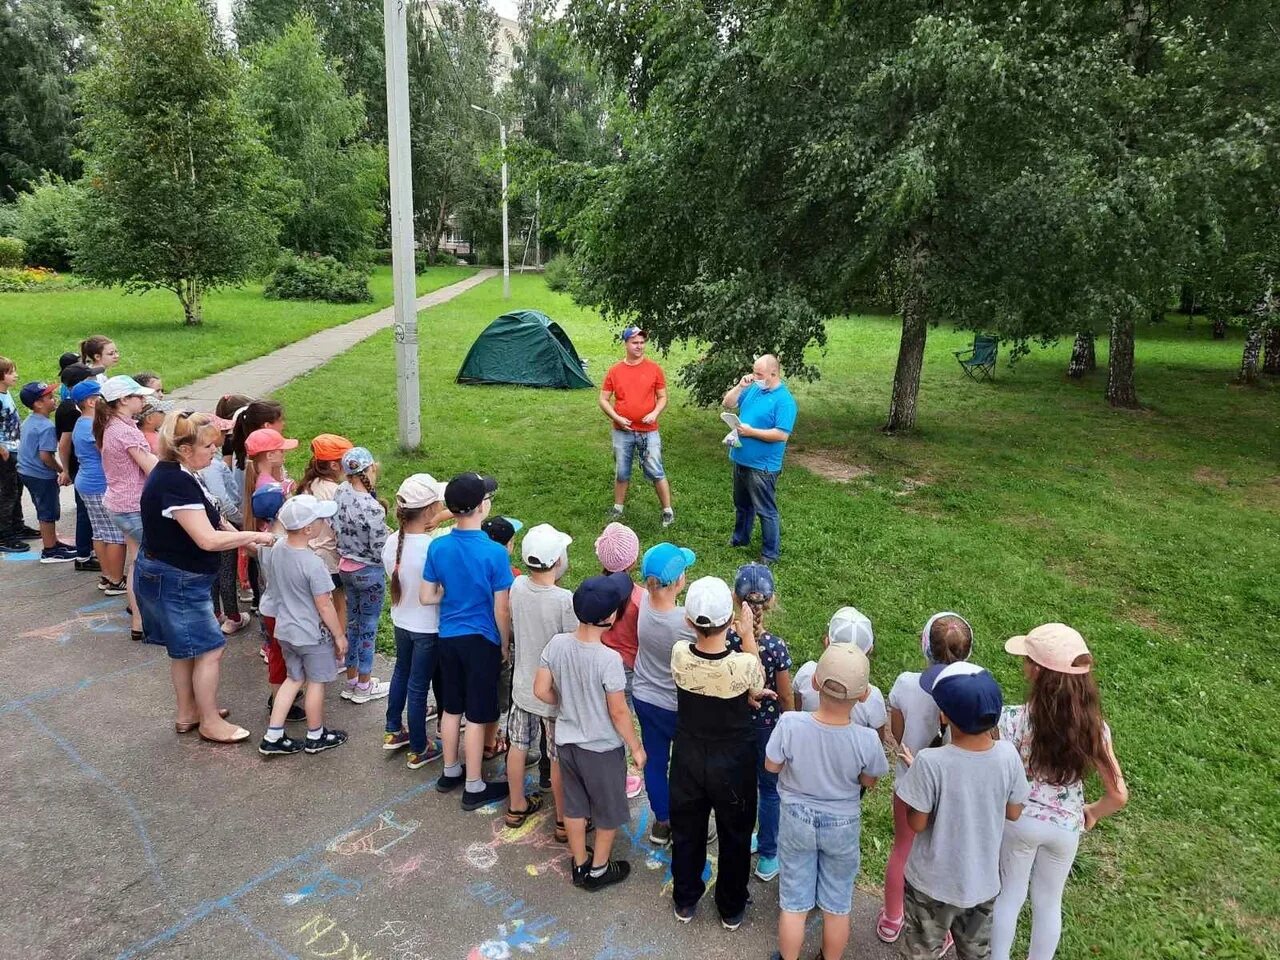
x: 117, y: 388
x: 849, y: 626
x: 305, y: 509
x: 543, y: 546
x: 709, y: 603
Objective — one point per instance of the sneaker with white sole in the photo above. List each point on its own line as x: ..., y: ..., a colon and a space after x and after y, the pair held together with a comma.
x: 668, y: 517
x: 348, y: 689
x: 326, y: 741
x: 110, y: 589
x: 375, y: 689
x: 635, y: 786
x: 766, y: 868
x: 58, y: 554
x: 396, y: 740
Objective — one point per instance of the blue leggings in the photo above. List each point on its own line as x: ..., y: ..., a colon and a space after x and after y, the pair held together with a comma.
x: 768, y: 809
x: 364, y: 589
x: 657, y: 731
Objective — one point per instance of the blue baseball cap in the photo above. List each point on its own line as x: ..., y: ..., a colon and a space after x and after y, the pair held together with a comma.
x: 267, y: 501
x: 633, y: 331
x: 966, y: 693
x: 85, y: 389
x: 36, y: 390
x: 665, y: 562
x: 356, y: 460
x: 598, y: 598
x: 754, y: 581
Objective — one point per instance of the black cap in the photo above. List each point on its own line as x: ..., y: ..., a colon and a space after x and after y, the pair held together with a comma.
x: 75, y: 372
x: 467, y: 491
x: 499, y: 529
x: 67, y: 359
x: 599, y: 598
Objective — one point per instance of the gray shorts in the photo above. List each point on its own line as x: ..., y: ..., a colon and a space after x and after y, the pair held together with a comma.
x: 595, y: 785
x: 313, y: 661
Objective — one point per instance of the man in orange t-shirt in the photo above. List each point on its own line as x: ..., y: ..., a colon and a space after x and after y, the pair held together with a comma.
x: 633, y: 395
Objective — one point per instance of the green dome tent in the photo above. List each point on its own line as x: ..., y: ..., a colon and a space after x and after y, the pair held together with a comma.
x: 526, y: 348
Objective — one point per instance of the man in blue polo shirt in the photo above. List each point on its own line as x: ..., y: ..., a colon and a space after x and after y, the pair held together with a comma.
x: 768, y: 414
x: 469, y: 575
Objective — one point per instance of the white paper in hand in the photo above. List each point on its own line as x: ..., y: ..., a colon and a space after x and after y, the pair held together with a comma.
x: 731, y: 419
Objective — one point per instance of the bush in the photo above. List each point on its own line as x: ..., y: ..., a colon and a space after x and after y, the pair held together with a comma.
x: 24, y: 279
x: 558, y: 273
x: 8, y: 218
x: 13, y: 252
x: 317, y: 278
x: 43, y: 217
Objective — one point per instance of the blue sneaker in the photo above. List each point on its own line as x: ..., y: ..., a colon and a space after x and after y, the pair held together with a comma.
x: 766, y: 868
x: 755, y: 843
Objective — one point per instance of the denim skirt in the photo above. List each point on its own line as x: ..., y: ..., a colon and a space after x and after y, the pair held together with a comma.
x: 177, y: 608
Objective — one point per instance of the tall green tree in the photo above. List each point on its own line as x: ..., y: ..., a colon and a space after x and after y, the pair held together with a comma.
x: 332, y: 182
x: 352, y: 32
x: 42, y: 44
x: 176, y: 185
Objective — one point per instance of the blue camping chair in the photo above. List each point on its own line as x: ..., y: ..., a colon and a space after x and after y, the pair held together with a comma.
x: 979, y: 361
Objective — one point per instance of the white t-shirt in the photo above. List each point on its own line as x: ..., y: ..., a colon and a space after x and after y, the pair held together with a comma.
x: 409, y: 614
x: 870, y: 712
x: 919, y: 712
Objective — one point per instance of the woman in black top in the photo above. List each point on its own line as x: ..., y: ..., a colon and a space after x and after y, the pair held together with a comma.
x: 183, y: 537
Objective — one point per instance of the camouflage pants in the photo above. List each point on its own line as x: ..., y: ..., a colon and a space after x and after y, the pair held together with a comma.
x: 927, y: 923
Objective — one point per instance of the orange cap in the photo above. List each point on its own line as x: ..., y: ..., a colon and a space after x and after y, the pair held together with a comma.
x: 330, y: 446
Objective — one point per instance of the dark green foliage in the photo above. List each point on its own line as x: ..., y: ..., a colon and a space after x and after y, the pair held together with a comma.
x: 13, y: 252
x: 317, y: 278
x: 559, y: 273
x: 43, y: 218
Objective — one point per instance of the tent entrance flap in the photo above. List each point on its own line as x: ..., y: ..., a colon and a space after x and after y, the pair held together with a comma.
x: 525, y: 348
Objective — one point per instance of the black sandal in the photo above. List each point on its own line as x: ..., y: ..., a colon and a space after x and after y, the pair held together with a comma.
x: 136, y: 636
x: 532, y: 804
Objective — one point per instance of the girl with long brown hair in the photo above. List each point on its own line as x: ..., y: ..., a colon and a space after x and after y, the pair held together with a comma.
x: 1062, y: 737
x: 321, y: 479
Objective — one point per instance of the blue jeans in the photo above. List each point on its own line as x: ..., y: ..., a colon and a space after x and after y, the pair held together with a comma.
x: 364, y: 589
x: 414, y: 669
x: 84, y: 530
x: 767, y: 809
x: 820, y: 859
x: 755, y: 492
x: 627, y: 445
x: 657, y: 731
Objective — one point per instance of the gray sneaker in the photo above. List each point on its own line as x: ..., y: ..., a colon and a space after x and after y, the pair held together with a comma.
x: 668, y: 517
x: 375, y: 690
x: 614, y: 512
x: 660, y: 833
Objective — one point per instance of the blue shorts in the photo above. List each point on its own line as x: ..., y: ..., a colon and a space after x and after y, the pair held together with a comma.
x: 820, y: 856
x: 44, y: 494
x: 130, y: 524
x: 177, y: 608
x: 629, y: 444
x: 469, y: 668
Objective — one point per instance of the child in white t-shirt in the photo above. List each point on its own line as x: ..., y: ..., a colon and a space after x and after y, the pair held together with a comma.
x: 915, y: 723
x: 851, y: 627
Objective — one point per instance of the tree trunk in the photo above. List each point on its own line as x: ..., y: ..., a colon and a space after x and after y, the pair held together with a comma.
x: 1120, y: 388
x: 190, y: 294
x: 1252, y: 350
x: 915, y: 329
x: 1084, y: 355
x: 1219, y: 328
x: 1271, y: 365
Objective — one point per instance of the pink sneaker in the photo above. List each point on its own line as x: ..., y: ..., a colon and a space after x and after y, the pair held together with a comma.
x: 230, y: 626
x: 635, y: 787
x: 947, y: 944
x: 887, y: 929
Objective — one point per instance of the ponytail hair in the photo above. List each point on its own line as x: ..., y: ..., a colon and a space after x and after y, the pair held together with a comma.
x: 229, y: 403
x: 949, y: 638
x: 403, y: 515
x: 257, y: 414
x: 91, y: 347
x: 103, y: 411
x: 319, y: 470
x: 1067, y: 731
x: 182, y: 428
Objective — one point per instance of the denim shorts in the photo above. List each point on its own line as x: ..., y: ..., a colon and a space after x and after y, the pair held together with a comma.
x: 820, y: 856
x: 647, y: 445
x: 44, y: 494
x: 130, y: 524
x: 177, y: 608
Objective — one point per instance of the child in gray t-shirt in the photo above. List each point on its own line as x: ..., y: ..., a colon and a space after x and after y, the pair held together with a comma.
x: 958, y: 797
x: 823, y: 760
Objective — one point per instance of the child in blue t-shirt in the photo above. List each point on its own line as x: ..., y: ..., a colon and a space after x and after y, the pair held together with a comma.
x: 823, y: 760
x: 754, y: 587
x: 12, y: 529
x: 41, y: 471
x: 469, y: 576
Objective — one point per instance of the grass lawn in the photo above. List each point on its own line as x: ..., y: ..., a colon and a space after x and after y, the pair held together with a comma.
x: 1156, y: 533
x: 239, y: 324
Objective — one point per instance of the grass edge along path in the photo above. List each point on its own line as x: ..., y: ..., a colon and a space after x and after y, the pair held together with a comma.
x: 1019, y: 502
x: 240, y: 325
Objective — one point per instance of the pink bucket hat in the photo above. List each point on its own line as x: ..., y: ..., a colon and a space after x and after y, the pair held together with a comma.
x: 618, y: 547
x: 1054, y: 646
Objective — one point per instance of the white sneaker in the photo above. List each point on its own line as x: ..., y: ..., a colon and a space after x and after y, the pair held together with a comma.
x: 348, y: 690
x: 376, y: 690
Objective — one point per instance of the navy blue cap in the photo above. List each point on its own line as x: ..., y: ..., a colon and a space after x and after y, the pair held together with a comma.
x: 966, y: 693
x: 467, y: 491
x: 599, y: 598
x: 629, y: 332
x: 754, y: 581
x: 502, y: 529
x: 267, y: 501
x: 33, y: 391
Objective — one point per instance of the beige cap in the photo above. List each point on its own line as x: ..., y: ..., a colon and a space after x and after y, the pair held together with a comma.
x: 843, y: 672
x: 1054, y: 646
x: 419, y: 490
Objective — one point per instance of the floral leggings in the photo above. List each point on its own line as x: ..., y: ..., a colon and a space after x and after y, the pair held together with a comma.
x: 364, y: 589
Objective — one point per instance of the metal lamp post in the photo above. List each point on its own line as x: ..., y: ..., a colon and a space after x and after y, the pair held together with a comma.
x: 506, y: 245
